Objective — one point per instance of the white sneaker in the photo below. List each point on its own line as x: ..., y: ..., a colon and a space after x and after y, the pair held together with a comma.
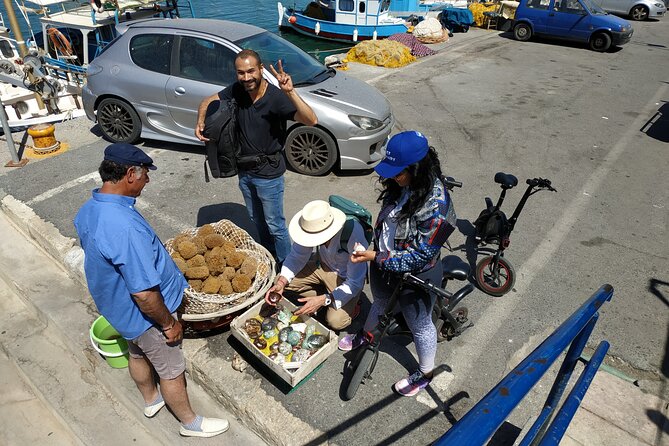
x: 151, y: 411
x: 210, y: 427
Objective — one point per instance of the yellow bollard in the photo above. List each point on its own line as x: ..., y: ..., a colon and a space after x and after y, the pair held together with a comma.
x: 44, y: 140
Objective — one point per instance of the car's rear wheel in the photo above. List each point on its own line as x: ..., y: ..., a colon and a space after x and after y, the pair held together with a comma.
x: 311, y: 151
x: 522, y: 32
x: 639, y: 12
x: 600, y: 42
x: 118, y: 121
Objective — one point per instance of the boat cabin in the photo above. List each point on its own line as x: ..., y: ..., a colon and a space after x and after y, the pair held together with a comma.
x: 350, y: 12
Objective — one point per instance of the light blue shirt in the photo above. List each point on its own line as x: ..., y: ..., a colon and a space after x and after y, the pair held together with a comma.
x: 123, y: 256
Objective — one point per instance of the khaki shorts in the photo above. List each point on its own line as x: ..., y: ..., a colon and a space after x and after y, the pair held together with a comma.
x: 167, y: 360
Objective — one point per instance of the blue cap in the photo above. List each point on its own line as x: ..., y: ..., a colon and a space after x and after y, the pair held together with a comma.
x: 403, y: 150
x: 128, y: 155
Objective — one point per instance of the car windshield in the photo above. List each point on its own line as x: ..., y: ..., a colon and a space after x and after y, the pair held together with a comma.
x: 303, y: 68
x: 593, y: 7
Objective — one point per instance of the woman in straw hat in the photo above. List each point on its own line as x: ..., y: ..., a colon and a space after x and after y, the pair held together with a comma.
x: 330, y: 280
x: 415, y: 220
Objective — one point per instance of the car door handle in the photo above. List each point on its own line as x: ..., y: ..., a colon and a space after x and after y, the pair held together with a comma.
x: 179, y: 91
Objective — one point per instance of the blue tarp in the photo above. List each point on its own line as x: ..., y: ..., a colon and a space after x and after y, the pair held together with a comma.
x: 456, y: 19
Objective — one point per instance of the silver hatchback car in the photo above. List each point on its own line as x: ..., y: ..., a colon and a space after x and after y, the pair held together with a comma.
x: 635, y: 9
x: 149, y: 82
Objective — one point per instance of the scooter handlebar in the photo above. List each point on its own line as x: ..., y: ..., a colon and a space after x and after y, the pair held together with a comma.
x: 451, y: 182
x: 541, y: 182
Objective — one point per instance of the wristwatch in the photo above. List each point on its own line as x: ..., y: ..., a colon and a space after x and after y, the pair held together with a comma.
x: 328, y: 299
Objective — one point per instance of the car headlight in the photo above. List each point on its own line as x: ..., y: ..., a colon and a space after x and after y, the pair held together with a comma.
x: 365, y: 122
x: 659, y: 5
x: 624, y: 29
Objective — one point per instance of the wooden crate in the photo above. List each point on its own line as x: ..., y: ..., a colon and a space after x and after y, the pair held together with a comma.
x: 292, y: 376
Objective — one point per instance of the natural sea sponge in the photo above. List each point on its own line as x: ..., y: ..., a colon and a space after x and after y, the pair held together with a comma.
x: 226, y: 287
x: 228, y: 247
x: 175, y: 255
x: 183, y: 237
x: 211, y: 285
x: 216, y: 263
x: 197, y: 260
x: 211, y: 252
x: 205, y: 230
x: 196, y: 284
x: 181, y: 264
x: 249, y: 267
x: 187, y: 249
x: 201, y: 246
x: 235, y: 259
x: 197, y: 272
x: 228, y: 273
x: 213, y: 240
x: 241, y: 283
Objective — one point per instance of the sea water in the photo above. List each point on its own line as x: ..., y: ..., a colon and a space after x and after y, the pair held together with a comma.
x: 261, y: 13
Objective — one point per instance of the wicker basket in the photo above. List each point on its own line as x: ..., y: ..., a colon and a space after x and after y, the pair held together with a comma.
x: 201, y: 306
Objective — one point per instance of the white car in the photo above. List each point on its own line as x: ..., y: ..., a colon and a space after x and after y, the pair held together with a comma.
x: 635, y: 9
x: 150, y: 81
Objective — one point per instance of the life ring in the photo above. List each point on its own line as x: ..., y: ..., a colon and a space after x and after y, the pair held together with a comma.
x: 60, y: 42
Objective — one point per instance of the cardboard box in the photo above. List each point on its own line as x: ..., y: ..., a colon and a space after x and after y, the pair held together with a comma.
x: 291, y: 376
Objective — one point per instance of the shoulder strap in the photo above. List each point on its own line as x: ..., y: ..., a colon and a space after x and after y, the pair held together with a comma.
x: 346, y: 232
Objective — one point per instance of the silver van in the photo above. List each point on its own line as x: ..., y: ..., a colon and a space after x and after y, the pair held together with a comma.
x: 635, y: 9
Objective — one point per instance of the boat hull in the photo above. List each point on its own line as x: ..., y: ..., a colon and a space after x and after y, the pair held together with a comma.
x: 339, y: 32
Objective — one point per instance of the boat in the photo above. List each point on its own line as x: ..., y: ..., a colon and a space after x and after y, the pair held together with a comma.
x: 343, y: 20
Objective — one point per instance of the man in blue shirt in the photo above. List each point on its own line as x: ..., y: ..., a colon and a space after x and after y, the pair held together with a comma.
x: 137, y: 287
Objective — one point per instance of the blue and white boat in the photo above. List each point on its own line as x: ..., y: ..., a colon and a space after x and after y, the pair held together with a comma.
x: 343, y: 20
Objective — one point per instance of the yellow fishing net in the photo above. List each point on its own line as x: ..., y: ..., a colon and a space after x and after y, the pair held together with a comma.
x: 478, y: 9
x: 382, y: 53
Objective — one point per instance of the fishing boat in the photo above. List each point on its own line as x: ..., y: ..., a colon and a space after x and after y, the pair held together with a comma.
x: 343, y: 20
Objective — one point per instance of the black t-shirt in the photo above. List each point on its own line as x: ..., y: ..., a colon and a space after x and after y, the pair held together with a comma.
x: 262, y: 127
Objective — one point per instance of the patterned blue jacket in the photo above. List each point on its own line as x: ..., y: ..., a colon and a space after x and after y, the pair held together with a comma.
x: 418, y: 239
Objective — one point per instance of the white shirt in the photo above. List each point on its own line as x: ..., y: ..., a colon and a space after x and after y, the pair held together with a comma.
x: 389, y: 225
x: 336, y: 260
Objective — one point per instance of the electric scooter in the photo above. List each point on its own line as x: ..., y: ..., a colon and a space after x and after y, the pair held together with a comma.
x: 494, y: 273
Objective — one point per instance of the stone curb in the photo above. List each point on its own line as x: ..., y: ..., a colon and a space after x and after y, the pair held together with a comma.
x: 239, y: 393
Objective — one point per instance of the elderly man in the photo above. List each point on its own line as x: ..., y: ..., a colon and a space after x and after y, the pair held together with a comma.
x: 263, y: 110
x: 329, y: 280
x: 137, y: 287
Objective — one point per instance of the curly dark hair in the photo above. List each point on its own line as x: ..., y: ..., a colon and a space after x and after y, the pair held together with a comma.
x: 111, y: 171
x: 423, y: 175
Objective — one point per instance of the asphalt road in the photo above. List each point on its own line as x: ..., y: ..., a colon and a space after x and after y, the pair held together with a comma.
x: 588, y: 121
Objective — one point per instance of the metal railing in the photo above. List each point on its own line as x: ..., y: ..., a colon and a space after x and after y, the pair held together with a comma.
x: 482, y: 421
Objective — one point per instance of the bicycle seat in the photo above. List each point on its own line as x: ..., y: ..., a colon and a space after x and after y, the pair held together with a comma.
x: 455, y: 268
x: 506, y: 180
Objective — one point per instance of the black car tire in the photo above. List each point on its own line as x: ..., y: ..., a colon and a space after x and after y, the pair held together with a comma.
x: 600, y: 42
x: 118, y: 121
x: 311, y: 151
x: 639, y: 13
x: 522, y: 32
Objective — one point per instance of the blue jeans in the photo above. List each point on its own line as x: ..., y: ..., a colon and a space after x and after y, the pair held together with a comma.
x: 264, y: 203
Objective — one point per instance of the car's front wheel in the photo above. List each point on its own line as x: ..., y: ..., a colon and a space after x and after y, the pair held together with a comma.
x: 522, y: 32
x: 310, y: 151
x: 118, y: 121
x: 600, y: 42
x: 639, y: 12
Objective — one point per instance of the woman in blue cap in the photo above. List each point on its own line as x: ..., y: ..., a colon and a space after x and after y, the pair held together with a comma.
x: 415, y: 220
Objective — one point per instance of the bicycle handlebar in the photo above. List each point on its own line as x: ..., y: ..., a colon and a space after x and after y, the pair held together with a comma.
x: 451, y: 182
x: 541, y: 182
x: 427, y: 286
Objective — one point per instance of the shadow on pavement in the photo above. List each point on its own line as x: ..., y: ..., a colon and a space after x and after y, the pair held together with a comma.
x: 659, y: 419
x: 657, y: 127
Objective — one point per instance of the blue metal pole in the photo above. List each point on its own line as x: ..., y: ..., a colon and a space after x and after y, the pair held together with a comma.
x: 564, y: 416
x: 482, y: 421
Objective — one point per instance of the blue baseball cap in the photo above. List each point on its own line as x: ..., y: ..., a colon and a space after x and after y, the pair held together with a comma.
x: 403, y: 150
x: 128, y: 155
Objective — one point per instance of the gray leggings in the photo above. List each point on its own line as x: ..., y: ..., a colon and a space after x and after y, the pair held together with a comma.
x: 416, y: 306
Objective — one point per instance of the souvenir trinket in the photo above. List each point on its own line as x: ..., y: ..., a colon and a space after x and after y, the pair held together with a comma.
x: 285, y: 348
x: 283, y: 334
x: 284, y: 316
x: 299, y: 326
x: 274, y: 348
x: 294, y: 338
x: 314, y: 342
x: 274, y: 297
x: 269, y: 324
x: 279, y: 359
x: 311, y: 329
x: 301, y: 355
x: 252, y: 328
x: 269, y: 334
x: 260, y: 343
x: 273, y: 356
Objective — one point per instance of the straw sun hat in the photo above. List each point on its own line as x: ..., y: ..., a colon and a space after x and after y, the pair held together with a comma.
x: 316, y: 223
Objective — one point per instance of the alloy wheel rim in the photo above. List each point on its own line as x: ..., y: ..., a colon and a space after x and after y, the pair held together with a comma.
x: 116, y: 121
x: 309, y: 151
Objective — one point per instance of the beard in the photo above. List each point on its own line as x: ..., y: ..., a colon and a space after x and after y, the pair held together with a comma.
x: 253, y: 84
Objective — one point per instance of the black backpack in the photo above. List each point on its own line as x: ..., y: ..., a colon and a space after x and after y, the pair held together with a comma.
x: 223, y: 148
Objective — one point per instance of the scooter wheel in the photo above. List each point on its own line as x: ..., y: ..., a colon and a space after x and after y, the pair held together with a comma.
x: 439, y: 325
x: 495, y: 284
x: 361, y: 370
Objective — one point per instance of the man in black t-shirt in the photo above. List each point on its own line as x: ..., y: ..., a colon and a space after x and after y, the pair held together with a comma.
x: 263, y: 110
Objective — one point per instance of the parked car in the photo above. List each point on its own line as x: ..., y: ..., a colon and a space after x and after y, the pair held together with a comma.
x: 150, y: 81
x: 635, y: 9
x: 577, y: 20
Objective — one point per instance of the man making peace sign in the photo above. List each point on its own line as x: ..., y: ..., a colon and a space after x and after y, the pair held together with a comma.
x: 263, y: 110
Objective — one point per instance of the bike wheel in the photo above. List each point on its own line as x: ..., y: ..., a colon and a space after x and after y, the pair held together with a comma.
x: 361, y: 367
x: 495, y: 284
